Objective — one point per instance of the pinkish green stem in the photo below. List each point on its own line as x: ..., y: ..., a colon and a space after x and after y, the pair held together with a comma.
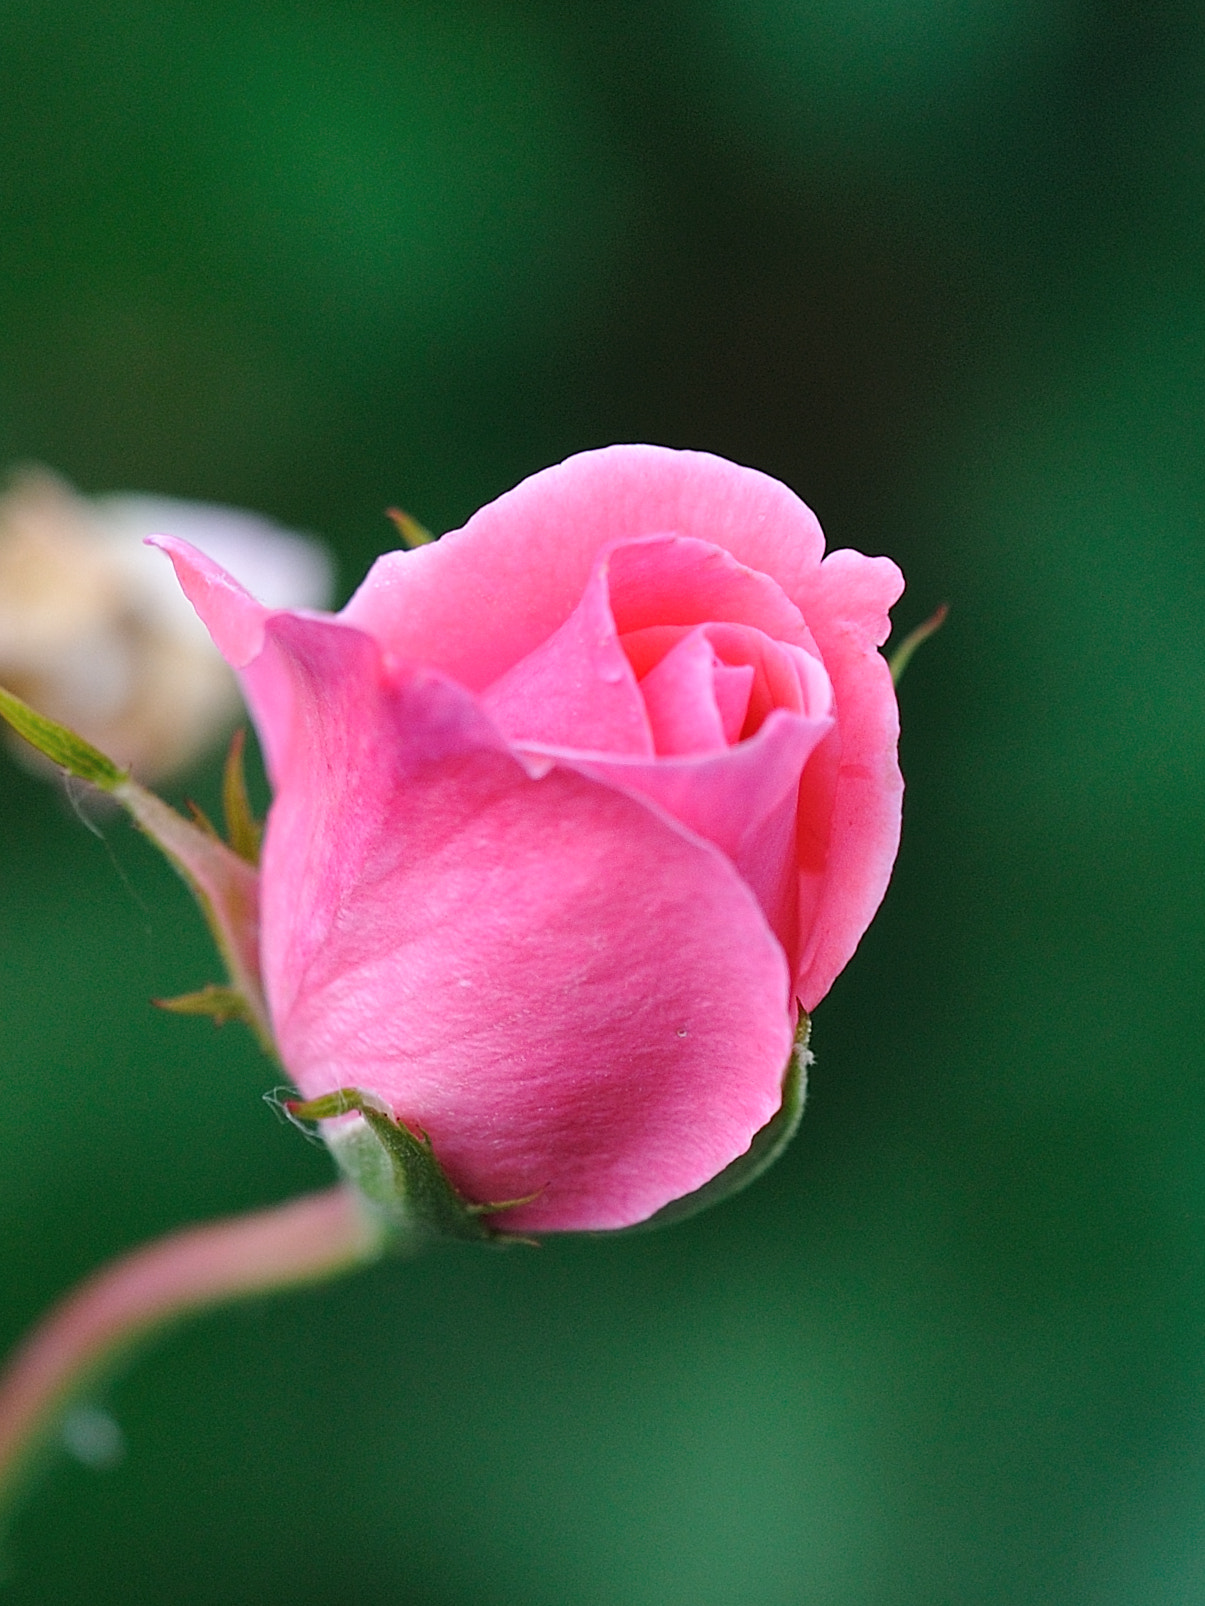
x: 303, y: 1241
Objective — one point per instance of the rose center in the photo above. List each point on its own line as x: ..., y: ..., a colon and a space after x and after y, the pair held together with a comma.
x: 712, y: 685
x: 673, y: 649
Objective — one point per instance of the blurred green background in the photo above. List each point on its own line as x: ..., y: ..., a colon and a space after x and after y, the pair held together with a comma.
x: 939, y: 267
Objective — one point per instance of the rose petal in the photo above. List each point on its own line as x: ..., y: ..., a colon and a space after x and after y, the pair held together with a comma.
x: 229, y: 612
x: 732, y: 685
x: 784, y: 676
x: 851, y: 796
x: 569, y: 993
x: 681, y: 695
x: 679, y: 580
x: 577, y: 688
x: 439, y: 604
x: 236, y: 622
x: 742, y: 799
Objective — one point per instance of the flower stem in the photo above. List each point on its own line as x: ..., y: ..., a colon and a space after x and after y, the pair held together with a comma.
x: 302, y: 1241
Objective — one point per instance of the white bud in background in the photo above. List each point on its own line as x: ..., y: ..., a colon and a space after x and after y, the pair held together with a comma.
x: 95, y: 632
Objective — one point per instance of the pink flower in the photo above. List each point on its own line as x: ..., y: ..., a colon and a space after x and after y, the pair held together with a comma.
x: 572, y: 810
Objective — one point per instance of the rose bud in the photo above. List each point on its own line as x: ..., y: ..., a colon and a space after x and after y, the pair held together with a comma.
x: 575, y: 809
x: 94, y: 634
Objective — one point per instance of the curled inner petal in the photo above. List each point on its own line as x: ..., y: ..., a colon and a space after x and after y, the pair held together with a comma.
x: 711, y: 719
x: 750, y: 672
x: 674, y: 647
x: 695, y: 702
x: 577, y: 687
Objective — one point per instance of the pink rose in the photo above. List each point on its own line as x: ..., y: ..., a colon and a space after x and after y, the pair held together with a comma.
x: 573, y: 809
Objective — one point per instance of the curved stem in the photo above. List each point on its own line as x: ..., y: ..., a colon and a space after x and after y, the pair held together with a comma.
x: 302, y: 1241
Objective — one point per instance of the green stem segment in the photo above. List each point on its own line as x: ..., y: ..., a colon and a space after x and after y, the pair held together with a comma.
x: 306, y: 1240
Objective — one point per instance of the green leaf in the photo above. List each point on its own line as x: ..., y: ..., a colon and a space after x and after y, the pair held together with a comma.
x: 766, y: 1147
x: 60, y: 745
x: 397, y: 1172
x: 243, y: 830
x: 221, y: 1004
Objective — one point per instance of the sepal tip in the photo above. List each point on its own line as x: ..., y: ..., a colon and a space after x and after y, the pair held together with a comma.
x: 395, y: 1170
x: 899, y: 660
x: 221, y: 1004
x: 60, y: 745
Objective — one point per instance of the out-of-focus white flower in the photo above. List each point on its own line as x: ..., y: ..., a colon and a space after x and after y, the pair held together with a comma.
x: 95, y: 633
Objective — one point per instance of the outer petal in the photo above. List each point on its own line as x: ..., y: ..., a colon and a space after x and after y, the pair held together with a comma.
x: 681, y: 580
x: 236, y: 622
x: 439, y: 604
x: 228, y: 611
x: 743, y: 799
x: 852, y: 789
x: 569, y: 993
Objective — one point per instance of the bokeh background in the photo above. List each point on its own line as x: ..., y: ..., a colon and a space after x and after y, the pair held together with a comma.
x: 938, y: 266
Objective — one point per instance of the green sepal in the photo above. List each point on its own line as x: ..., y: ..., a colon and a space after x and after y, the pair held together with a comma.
x: 411, y: 533
x: 243, y: 831
x: 60, y: 745
x: 899, y: 660
x: 397, y: 1173
x: 395, y: 1170
x: 767, y: 1145
x: 201, y: 820
x: 223, y: 883
x: 221, y: 1004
